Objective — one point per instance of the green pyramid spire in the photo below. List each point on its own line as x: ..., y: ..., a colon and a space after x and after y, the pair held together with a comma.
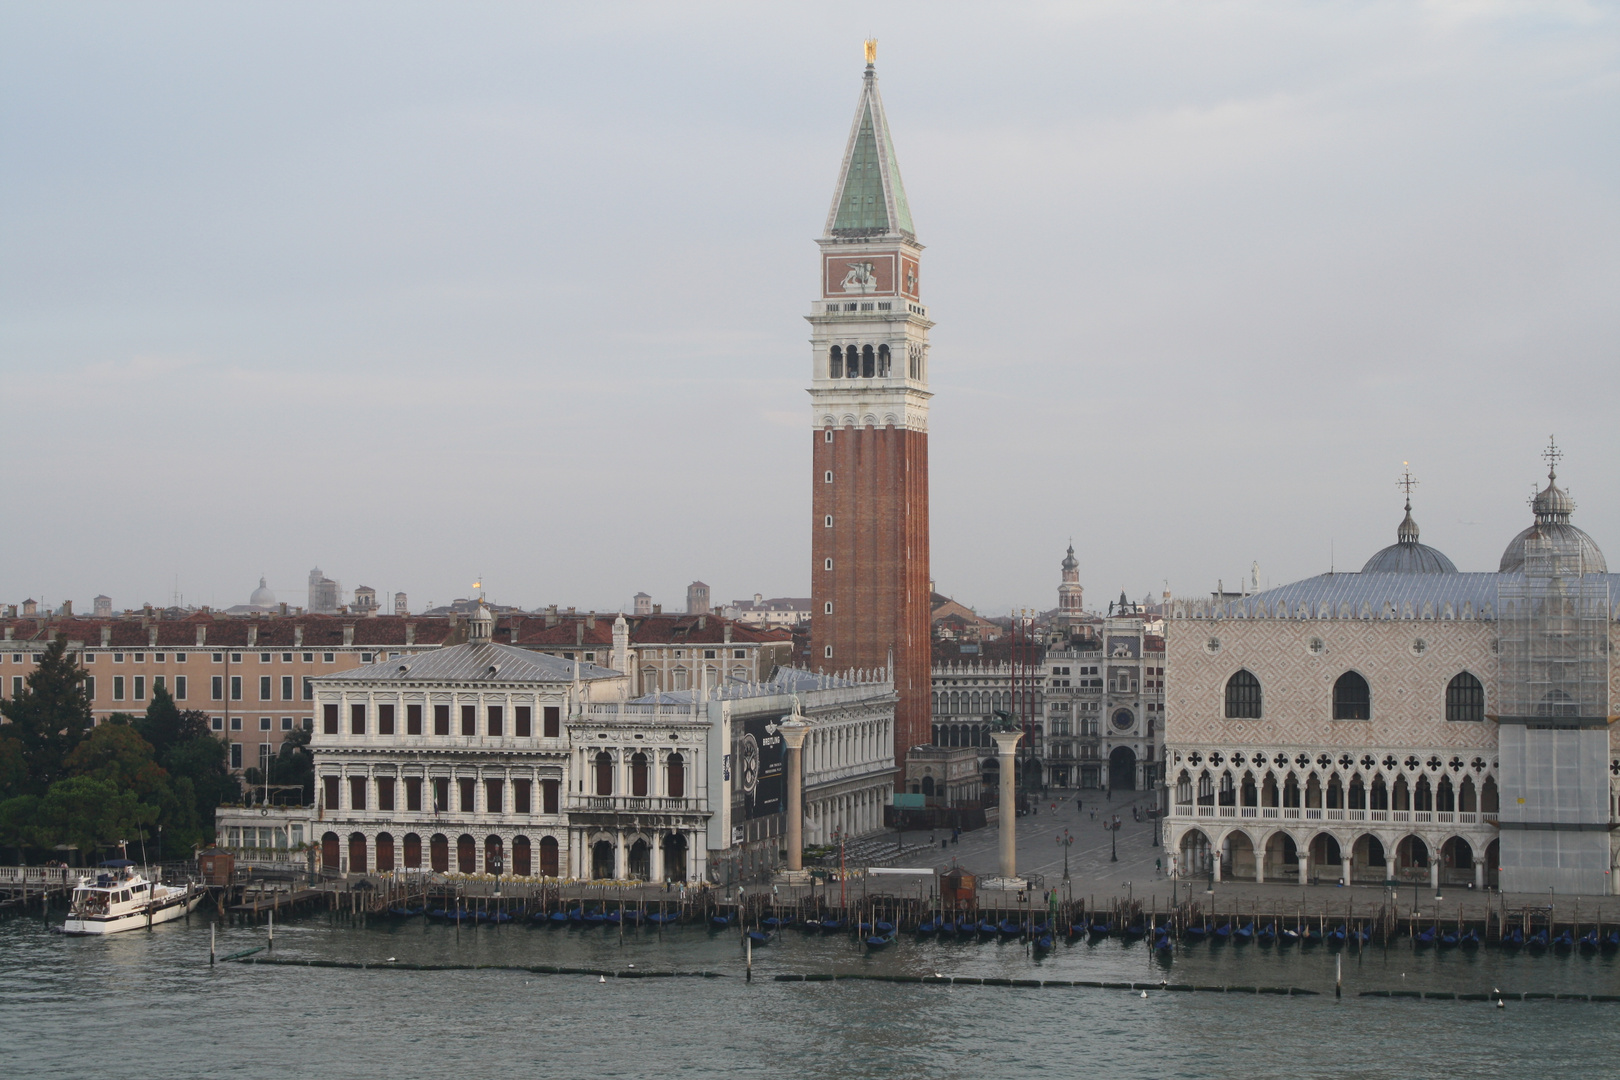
x: 870, y: 200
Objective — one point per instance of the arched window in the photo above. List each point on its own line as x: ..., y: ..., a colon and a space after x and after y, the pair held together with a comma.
x: 883, y: 362
x: 638, y: 775
x: 604, y: 773
x: 1352, y: 698
x: 868, y: 362
x: 835, y: 363
x: 1465, y: 698
x: 1243, y: 696
x: 675, y: 780
x: 548, y: 856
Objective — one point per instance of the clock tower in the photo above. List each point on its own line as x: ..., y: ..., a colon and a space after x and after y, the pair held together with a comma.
x: 870, y: 584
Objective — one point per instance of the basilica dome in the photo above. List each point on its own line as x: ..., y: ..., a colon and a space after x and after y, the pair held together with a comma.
x: 262, y: 596
x: 1406, y: 555
x: 1552, y: 507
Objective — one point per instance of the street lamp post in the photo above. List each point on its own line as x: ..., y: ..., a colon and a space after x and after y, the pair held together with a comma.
x: 1113, y: 836
x: 1065, y: 841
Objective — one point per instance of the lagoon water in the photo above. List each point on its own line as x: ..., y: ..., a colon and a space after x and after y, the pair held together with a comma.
x: 147, y: 1003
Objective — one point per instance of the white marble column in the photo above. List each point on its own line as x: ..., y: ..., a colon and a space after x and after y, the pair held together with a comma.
x: 1304, y: 867
x: 1007, y: 813
x: 793, y: 733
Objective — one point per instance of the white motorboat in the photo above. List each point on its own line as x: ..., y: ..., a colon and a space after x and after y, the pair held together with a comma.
x: 118, y: 897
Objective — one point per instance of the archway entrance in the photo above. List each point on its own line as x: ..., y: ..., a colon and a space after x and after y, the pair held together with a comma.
x: 1282, y: 857
x: 1493, y: 865
x: 439, y: 853
x: 1195, y: 854
x: 1122, y: 769
x: 1237, y: 857
x: 602, y: 859
x: 494, y: 856
x: 385, y: 852
x: 329, y: 851
x: 466, y: 854
x: 1457, y: 862
x: 675, y: 857
x: 520, y: 856
x: 548, y: 856
x: 1367, y: 859
x: 1412, y: 856
x: 357, y: 853
x: 640, y: 860
x: 413, y: 851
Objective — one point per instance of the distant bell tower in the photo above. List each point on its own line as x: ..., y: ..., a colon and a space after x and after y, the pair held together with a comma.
x: 1071, y: 596
x: 869, y: 409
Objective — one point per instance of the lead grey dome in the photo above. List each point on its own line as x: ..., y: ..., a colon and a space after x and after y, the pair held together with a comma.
x: 1407, y: 556
x: 1553, y: 506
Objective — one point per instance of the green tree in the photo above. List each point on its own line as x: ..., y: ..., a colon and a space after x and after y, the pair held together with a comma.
x: 13, y: 767
x: 50, y: 715
x: 202, y: 763
x: 89, y: 814
x: 161, y: 724
x: 295, y: 764
x: 17, y: 823
x: 117, y: 753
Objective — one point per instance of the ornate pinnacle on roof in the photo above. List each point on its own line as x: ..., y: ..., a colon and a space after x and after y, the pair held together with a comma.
x: 871, y: 51
x: 1553, y: 456
x: 1407, y: 533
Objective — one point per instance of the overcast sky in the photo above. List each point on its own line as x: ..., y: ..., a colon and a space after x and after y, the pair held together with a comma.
x: 423, y: 293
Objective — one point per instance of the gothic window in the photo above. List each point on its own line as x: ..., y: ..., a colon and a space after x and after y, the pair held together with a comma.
x: 1465, y: 698
x: 868, y: 362
x: 1243, y: 696
x: 836, y: 363
x: 1352, y: 698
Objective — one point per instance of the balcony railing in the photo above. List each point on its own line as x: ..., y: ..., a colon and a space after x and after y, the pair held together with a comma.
x: 633, y: 803
x: 1314, y: 813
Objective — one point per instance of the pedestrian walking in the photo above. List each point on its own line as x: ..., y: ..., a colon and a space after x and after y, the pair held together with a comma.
x: 1079, y: 806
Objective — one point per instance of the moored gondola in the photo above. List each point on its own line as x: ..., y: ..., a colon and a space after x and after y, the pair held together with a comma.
x: 880, y: 941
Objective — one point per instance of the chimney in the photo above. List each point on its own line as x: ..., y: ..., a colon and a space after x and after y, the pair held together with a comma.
x: 410, y: 633
x: 253, y: 636
x: 151, y: 636
x: 658, y: 609
x: 67, y: 607
x: 348, y: 634
x: 551, y: 615
x: 579, y: 633
x: 106, y: 636
x: 590, y: 621
x: 103, y: 634
x: 202, y: 636
x: 283, y: 607
x: 703, y: 621
x: 298, y: 637
x: 728, y: 634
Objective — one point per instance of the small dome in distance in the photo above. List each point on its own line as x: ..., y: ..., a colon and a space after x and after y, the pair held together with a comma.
x: 262, y: 596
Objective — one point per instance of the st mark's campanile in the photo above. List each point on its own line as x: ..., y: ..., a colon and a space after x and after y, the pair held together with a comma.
x: 869, y: 390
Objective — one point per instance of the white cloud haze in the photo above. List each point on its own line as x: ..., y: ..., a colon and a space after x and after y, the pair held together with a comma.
x: 419, y: 293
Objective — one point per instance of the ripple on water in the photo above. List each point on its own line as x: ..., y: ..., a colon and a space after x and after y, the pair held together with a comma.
x: 154, y: 998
